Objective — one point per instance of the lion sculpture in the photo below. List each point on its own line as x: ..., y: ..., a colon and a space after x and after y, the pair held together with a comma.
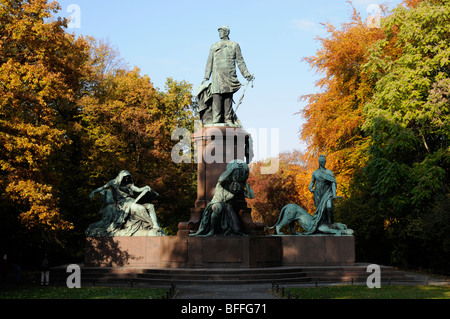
x: 292, y: 213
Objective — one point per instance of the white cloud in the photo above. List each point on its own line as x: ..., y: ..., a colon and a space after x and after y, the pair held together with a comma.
x: 305, y: 24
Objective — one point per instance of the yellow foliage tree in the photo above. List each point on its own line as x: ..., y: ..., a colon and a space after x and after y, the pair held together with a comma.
x: 127, y: 123
x: 274, y: 191
x: 41, y: 67
x: 334, y: 116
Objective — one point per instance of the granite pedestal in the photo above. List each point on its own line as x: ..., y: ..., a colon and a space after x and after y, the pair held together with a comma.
x: 216, y: 147
x: 219, y: 252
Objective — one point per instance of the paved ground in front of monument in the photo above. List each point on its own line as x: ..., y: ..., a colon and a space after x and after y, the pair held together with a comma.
x: 224, y: 291
x: 264, y: 291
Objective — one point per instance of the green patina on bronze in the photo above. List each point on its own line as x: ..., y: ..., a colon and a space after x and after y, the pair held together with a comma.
x: 219, y: 217
x: 122, y: 213
x: 216, y: 97
x: 323, y: 185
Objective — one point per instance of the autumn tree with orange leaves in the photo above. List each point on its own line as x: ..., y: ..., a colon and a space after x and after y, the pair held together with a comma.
x: 127, y: 124
x: 72, y: 115
x: 274, y: 191
x: 334, y: 116
x: 382, y: 120
x: 41, y: 73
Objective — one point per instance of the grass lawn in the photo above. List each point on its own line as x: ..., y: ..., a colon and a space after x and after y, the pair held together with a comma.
x: 362, y: 292
x: 32, y: 292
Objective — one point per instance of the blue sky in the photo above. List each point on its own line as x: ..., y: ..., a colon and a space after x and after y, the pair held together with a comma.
x: 172, y: 38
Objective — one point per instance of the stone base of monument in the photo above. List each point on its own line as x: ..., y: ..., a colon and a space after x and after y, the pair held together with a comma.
x: 318, y: 250
x: 219, y: 252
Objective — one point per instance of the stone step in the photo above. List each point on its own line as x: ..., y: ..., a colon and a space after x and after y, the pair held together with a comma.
x: 90, y: 274
x: 164, y: 276
x: 228, y: 277
x: 356, y: 274
x: 199, y: 278
x: 162, y: 282
x: 224, y: 270
x: 353, y: 273
x: 181, y: 271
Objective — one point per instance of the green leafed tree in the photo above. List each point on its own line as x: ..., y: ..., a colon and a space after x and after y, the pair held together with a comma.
x: 400, y: 89
x: 409, y: 114
x: 408, y: 121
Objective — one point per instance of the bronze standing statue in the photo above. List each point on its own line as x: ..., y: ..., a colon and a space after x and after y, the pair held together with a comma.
x: 324, y: 194
x: 216, y: 97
